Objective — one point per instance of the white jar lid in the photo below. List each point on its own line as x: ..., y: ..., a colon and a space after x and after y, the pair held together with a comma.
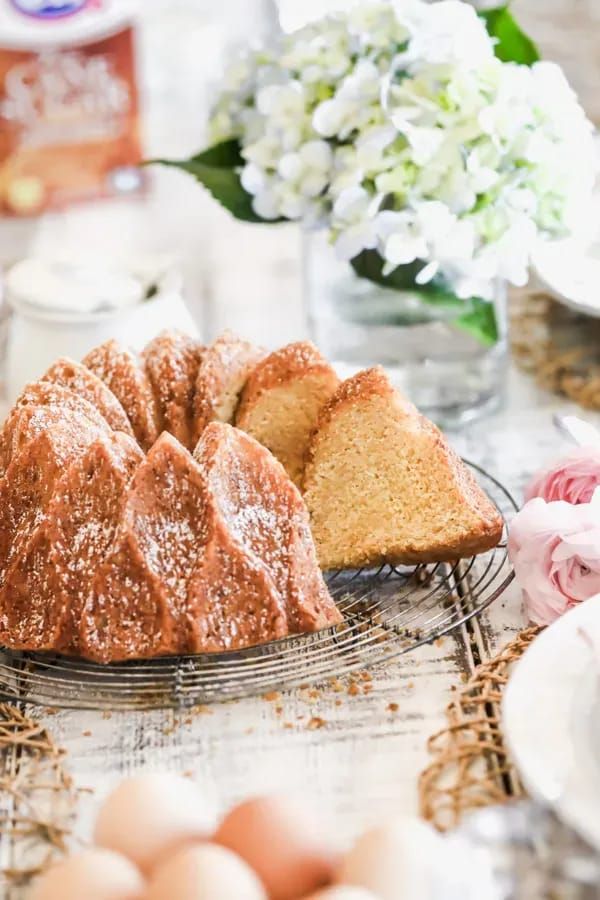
x: 59, y: 290
x: 31, y: 25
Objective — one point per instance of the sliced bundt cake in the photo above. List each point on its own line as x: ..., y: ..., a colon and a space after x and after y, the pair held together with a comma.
x: 109, y: 554
x: 282, y: 400
x: 121, y: 372
x: 172, y: 361
x: 224, y: 369
x: 382, y: 484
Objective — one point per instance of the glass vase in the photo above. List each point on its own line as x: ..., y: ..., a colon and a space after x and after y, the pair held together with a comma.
x: 450, y: 374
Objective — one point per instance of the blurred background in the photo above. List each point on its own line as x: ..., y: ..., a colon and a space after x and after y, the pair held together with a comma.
x: 179, y: 46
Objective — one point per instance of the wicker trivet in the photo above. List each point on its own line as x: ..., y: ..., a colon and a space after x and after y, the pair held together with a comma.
x: 471, y: 767
x: 560, y: 347
x: 38, y: 800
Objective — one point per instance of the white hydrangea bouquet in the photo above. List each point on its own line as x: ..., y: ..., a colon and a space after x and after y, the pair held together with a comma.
x: 427, y: 138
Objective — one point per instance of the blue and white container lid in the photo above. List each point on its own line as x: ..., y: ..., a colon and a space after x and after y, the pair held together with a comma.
x: 43, y: 24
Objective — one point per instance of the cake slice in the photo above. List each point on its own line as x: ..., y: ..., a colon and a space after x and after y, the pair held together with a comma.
x: 282, y: 400
x: 382, y: 484
x: 172, y: 361
x: 121, y: 372
x: 47, y: 585
x: 259, y: 538
x: 225, y: 367
x: 78, y: 379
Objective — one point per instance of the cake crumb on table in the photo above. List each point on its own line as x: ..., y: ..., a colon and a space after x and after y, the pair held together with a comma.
x: 315, y: 723
x: 271, y: 696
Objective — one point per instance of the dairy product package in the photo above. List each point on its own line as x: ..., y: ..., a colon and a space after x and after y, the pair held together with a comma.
x: 69, y: 106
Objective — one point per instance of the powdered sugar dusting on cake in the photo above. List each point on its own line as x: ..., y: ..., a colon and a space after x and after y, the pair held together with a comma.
x: 172, y: 361
x: 121, y: 372
x: 79, y: 379
x: 111, y: 555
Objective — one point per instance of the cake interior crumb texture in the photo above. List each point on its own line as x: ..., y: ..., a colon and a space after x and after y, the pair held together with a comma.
x: 382, y: 484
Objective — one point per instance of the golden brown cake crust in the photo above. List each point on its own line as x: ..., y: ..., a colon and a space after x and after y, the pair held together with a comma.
x: 121, y: 372
x: 366, y: 383
x: 47, y: 583
x: 260, y: 512
x: 225, y: 368
x: 172, y: 361
x: 40, y: 407
x: 280, y: 367
x: 79, y: 379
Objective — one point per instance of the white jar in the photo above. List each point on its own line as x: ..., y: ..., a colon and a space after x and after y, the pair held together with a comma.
x: 62, y: 309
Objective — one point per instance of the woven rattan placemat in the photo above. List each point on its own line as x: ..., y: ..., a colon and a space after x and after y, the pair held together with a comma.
x: 471, y: 767
x: 559, y: 347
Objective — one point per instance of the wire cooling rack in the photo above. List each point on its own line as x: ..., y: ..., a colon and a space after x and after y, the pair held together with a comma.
x: 387, y: 611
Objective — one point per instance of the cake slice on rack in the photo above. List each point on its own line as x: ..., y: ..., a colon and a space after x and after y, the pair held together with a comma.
x: 138, y: 601
x: 282, y: 400
x: 225, y: 367
x: 383, y: 485
x: 258, y: 577
x: 122, y: 373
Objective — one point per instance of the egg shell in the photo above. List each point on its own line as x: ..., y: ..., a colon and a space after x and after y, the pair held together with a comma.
x: 205, y: 872
x: 148, y: 816
x: 282, y: 842
x: 343, y: 892
x: 395, y: 860
x: 94, y: 875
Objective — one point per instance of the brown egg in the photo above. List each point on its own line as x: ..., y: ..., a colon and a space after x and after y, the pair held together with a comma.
x: 93, y: 875
x: 282, y: 843
x: 148, y: 816
x: 205, y: 872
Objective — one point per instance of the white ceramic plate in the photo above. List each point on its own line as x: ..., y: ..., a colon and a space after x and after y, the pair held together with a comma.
x: 551, y: 717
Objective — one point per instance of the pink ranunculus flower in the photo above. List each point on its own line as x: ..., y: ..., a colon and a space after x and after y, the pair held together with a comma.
x: 574, y: 478
x: 555, y: 550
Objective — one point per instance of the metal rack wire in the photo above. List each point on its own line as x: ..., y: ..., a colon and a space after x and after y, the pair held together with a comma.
x: 387, y: 611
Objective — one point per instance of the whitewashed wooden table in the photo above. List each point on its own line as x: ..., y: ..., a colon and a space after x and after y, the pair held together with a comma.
x: 355, y: 755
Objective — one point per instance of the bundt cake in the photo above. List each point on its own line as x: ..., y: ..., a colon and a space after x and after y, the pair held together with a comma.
x: 223, y: 372
x: 382, y: 484
x: 121, y: 372
x: 281, y: 402
x: 118, y: 542
x: 110, y: 554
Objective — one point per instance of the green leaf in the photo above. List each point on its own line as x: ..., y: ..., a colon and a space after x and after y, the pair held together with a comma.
x: 369, y: 264
x: 475, y: 315
x: 218, y: 169
x: 479, y: 321
x: 511, y: 42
